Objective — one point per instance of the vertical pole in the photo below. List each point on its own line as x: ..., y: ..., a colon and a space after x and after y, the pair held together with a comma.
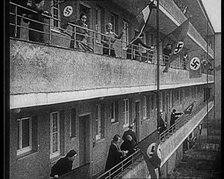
x: 16, y: 20
x: 158, y: 55
x: 207, y: 83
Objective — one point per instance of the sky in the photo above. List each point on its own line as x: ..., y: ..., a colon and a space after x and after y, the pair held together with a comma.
x: 213, y: 9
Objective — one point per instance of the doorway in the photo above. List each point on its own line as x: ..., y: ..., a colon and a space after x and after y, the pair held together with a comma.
x: 84, y: 140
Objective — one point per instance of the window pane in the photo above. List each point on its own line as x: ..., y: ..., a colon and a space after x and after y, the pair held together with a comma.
x: 18, y: 136
x: 112, y: 110
x: 25, y: 133
x: 55, y: 124
x: 73, y: 123
x: 55, y: 142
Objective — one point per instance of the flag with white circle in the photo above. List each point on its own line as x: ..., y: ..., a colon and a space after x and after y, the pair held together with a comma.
x: 195, y: 63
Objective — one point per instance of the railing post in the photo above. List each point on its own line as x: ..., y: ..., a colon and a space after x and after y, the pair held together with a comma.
x: 132, y: 51
x: 16, y: 17
x: 109, y: 46
x: 50, y: 34
x: 94, y: 40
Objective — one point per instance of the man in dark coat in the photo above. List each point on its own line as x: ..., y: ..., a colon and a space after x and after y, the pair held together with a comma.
x: 174, y: 116
x: 161, y: 126
x: 63, y: 165
x: 115, y: 154
x: 130, y: 132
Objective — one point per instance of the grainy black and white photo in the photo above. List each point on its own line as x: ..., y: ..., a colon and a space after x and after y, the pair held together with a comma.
x: 113, y: 89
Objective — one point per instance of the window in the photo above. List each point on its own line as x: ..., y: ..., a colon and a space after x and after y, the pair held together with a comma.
x: 152, y: 102
x: 176, y: 95
x: 54, y: 134
x: 126, y: 112
x: 144, y: 107
x: 114, y: 21
x: 162, y: 101
x: 187, y: 91
x: 199, y: 90
x: 193, y: 91
x: 98, y: 24
x: 24, y: 143
x: 114, y: 112
x: 181, y: 95
x: 125, y: 36
x: 99, y: 122
x: 73, y: 123
x: 55, y: 11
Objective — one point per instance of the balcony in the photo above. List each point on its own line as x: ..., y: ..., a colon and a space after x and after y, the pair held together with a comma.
x: 51, y: 72
x: 171, y: 16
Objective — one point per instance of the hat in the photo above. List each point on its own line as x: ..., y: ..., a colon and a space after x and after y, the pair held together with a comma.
x: 130, y: 126
x: 71, y: 153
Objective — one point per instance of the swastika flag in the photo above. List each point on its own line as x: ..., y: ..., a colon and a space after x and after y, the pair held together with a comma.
x: 194, y: 67
x: 151, y: 151
x: 67, y: 13
x: 178, y: 36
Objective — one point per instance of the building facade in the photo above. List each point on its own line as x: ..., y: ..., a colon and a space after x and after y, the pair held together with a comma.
x: 62, y: 98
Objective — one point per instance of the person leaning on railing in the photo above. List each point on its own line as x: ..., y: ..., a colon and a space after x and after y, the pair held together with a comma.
x: 115, y: 155
x: 63, y: 165
x: 173, y: 117
x: 109, y: 39
x: 81, y: 34
x: 36, y: 19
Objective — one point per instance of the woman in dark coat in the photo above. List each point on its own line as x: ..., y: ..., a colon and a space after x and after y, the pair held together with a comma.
x: 81, y: 34
x: 63, y: 165
x: 129, y: 145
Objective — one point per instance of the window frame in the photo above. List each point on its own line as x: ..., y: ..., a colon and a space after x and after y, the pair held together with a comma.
x: 125, y: 36
x: 114, y: 22
x: 22, y: 150
x: 58, y: 16
x: 73, y: 120
x: 57, y: 153
x: 114, y: 109
x: 99, y: 123
x: 144, y: 107
x: 98, y: 26
x: 126, y: 112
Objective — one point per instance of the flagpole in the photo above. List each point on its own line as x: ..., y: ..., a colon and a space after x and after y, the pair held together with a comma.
x: 207, y: 83
x: 157, y: 47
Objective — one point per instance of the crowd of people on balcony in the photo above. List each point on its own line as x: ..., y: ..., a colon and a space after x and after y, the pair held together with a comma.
x: 32, y: 12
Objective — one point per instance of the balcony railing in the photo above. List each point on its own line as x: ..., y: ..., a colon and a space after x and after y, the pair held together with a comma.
x: 120, y: 167
x: 127, y: 162
x: 183, y: 119
x: 94, y: 39
x: 67, y: 38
